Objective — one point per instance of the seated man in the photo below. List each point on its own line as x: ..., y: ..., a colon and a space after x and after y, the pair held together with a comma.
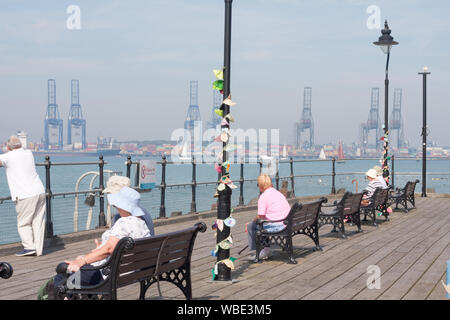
x: 272, y: 205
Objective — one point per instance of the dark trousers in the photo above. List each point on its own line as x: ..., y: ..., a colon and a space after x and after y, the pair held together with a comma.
x: 87, y: 277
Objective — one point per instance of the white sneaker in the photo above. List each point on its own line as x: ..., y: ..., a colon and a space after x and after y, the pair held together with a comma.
x: 251, y: 257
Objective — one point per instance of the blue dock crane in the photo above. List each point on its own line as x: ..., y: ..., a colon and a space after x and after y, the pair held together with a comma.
x: 52, y: 118
x: 76, y: 115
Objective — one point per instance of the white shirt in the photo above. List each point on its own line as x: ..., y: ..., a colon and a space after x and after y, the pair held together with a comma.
x: 383, y: 182
x: 130, y: 226
x: 23, y: 180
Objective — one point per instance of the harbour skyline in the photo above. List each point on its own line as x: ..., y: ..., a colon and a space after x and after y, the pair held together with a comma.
x: 134, y: 74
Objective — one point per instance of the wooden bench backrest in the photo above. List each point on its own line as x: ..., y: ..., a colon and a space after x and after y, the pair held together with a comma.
x: 304, y: 215
x: 351, y: 202
x: 410, y: 187
x: 143, y: 258
x: 380, y: 196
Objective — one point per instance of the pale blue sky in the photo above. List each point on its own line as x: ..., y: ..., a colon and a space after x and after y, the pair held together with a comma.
x: 134, y: 60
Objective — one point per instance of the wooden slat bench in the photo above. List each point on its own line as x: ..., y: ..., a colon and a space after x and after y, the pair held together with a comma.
x: 165, y: 257
x: 405, y: 195
x: 347, y: 208
x: 378, y: 202
x: 302, y: 219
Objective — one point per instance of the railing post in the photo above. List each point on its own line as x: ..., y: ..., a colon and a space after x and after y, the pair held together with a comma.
x: 291, y: 163
x: 194, y: 186
x: 136, y: 176
x: 333, y: 176
x: 101, y: 216
x: 392, y: 171
x: 162, y: 208
x: 48, y: 200
x: 277, y: 176
x: 129, y: 162
x: 241, y: 185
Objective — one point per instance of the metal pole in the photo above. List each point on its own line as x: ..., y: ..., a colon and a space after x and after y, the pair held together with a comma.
x: 386, y: 120
x: 101, y: 216
x: 392, y: 172
x: 48, y: 200
x: 241, y: 185
x: 424, y: 133
x: 194, y: 185
x: 277, y: 176
x: 333, y: 176
x: 224, y: 203
x: 129, y: 162
x: 162, y: 208
x: 136, y: 176
x: 291, y: 162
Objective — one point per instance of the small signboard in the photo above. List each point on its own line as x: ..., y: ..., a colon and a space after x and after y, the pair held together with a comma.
x: 147, y: 174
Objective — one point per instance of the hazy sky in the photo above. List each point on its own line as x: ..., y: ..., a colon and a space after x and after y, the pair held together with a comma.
x: 134, y: 60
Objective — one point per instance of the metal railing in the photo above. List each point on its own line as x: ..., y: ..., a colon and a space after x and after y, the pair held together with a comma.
x: 194, y: 184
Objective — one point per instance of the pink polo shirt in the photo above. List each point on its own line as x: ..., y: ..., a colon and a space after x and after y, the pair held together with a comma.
x: 273, y: 205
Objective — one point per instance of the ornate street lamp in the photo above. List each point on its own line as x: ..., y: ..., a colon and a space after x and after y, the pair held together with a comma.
x: 385, y: 42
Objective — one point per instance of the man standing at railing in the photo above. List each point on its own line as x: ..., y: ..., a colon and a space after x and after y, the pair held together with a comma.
x: 28, y: 192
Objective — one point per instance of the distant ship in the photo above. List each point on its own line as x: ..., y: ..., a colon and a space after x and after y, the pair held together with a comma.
x: 104, y: 147
x: 322, y: 155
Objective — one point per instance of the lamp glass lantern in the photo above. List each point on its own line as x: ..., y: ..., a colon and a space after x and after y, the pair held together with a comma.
x: 385, y: 41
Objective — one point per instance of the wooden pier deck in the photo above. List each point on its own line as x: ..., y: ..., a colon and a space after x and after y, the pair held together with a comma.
x: 411, y: 251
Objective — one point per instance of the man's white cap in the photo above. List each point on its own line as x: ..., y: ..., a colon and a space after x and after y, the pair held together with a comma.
x: 115, y: 183
x: 371, y: 173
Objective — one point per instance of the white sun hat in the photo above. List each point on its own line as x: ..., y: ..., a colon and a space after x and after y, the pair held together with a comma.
x: 115, y: 183
x: 371, y: 173
x: 127, y: 199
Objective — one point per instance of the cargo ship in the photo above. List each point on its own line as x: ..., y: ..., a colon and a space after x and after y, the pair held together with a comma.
x: 80, y: 153
x: 104, y: 147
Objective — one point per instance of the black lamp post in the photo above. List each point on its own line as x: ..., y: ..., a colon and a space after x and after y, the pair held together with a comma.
x: 385, y: 42
x: 424, y: 132
x: 224, y: 203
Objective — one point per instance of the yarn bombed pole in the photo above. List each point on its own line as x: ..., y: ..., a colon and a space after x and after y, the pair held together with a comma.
x: 224, y: 203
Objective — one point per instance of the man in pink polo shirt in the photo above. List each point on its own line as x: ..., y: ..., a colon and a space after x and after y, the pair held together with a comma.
x: 272, y: 206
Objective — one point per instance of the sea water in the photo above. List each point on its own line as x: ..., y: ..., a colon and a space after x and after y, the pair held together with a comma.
x: 349, y: 176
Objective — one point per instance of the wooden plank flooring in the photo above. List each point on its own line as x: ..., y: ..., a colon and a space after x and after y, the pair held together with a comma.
x: 411, y: 251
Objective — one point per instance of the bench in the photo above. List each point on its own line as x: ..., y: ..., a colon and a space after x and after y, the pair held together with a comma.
x: 165, y: 257
x: 378, y: 202
x: 347, y: 208
x: 302, y: 219
x: 6, y: 270
x: 405, y: 195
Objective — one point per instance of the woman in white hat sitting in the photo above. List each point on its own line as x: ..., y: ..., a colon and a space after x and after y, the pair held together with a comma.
x: 114, y: 185
x: 131, y: 224
x: 374, y: 183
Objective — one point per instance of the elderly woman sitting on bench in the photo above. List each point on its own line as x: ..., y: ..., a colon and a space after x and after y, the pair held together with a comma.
x: 272, y: 205
x: 131, y: 224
